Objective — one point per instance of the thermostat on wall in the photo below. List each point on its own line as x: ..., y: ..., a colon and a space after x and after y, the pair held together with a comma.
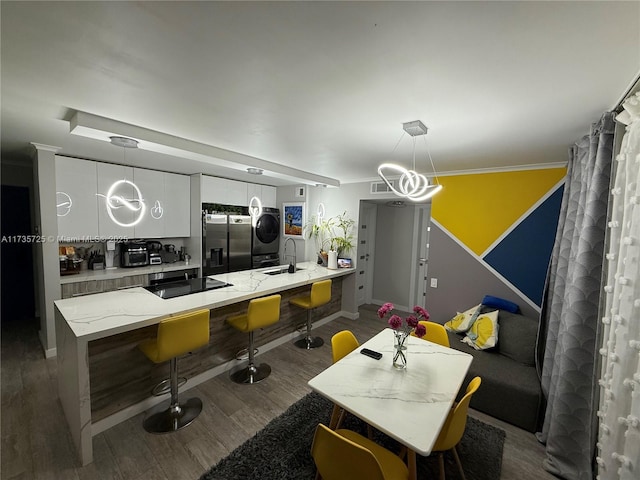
x: 300, y: 191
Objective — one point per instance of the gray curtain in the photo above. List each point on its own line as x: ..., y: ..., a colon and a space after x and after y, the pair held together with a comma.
x: 569, y: 317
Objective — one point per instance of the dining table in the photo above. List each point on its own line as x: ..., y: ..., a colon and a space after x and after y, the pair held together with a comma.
x: 410, y: 404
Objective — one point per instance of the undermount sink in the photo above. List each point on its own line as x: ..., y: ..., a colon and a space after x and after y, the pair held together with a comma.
x: 279, y: 270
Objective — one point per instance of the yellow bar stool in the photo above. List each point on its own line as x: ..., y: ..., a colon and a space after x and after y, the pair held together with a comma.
x: 320, y: 295
x: 176, y: 336
x: 261, y: 313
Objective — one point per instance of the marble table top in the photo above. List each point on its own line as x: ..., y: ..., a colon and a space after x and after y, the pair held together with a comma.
x: 409, y: 405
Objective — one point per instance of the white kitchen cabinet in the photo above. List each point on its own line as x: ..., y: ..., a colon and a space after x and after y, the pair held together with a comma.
x: 119, y: 203
x: 152, y: 186
x: 236, y: 193
x: 224, y: 191
x: 254, y: 190
x: 177, y: 205
x: 213, y: 189
x: 76, y: 201
x: 266, y: 194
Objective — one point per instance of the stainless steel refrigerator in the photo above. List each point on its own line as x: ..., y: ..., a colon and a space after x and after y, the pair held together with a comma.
x: 226, y: 243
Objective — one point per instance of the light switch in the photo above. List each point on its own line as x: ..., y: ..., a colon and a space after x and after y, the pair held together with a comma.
x: 434, y: 283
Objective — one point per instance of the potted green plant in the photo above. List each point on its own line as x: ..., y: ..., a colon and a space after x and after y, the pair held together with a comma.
x: 342, y: 233
x: 321, y: 233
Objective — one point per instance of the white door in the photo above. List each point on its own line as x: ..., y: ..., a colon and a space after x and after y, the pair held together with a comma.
x: 421, y: 254
x: 366, y: 248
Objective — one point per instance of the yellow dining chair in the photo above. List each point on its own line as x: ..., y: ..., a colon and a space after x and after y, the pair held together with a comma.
x: 342, y: 343
x: 319, y: 295
x: 176, y: 336
x: 453, y: 428
x: 436, y: 333
x: 344, y: 454
x: 261, y: 313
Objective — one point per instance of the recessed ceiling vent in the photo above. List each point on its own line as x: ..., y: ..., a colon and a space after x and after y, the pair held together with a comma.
x: 382, y: 187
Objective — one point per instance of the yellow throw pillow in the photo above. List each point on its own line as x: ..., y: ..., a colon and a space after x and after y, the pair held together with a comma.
x: 483, y: 333
x: 463, y: 321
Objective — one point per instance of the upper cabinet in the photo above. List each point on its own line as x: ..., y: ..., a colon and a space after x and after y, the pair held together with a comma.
x: 177, y: 205
x: 120, y: 201
x: 224, y: 191
x: 152, y: 186
x: 167, y: 200
x: 265, y: 193
x: 76, y: 200
x: 97, y: 199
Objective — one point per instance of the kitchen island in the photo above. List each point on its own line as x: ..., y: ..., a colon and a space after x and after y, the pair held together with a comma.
x: 102, y: 377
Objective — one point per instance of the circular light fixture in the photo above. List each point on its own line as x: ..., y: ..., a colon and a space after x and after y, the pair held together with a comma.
x: 254, y: 171
x: 320, y: 213
x: 124, y: 142
x: 63, y: 204
x: 115, y: 202
x: 412, y: 185
x: 255, y: 210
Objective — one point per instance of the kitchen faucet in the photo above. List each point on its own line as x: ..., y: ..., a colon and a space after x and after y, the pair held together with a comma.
x: 295, y: 254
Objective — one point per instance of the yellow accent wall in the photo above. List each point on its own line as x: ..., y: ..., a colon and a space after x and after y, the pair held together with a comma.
x: 479, y: 208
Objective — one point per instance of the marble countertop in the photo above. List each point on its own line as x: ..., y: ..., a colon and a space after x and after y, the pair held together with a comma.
x: 104, y: 314
x: 119, y: 272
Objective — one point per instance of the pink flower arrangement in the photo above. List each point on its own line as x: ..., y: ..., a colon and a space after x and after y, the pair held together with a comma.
x: 404, y: 327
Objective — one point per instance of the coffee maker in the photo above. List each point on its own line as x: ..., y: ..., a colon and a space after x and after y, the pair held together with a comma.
x: 154, y: 248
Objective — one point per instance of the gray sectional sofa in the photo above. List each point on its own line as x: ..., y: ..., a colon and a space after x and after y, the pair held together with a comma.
x: 510, y: 388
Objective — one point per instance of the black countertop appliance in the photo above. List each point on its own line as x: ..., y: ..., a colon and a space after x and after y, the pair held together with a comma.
x: 154, y: 248
x: 134, y: 254
x: 169, y: 254
x: 186, y: 287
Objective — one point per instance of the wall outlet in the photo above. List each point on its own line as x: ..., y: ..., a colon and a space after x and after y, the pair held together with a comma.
x: 434, y: 283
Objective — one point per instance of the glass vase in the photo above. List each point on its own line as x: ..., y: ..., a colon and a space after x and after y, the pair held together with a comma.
x: 399, y: 351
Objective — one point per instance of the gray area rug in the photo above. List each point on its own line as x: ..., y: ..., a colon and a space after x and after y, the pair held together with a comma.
x: 282, y: 449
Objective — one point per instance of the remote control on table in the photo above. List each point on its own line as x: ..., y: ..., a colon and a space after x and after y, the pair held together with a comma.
x: 371, y: 353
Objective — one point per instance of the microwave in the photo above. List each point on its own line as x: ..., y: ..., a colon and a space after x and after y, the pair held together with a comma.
x: 134, y: 254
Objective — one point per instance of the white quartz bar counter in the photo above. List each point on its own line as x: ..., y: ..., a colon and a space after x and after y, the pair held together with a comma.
x: 96, y: 316
x: 120, y: 272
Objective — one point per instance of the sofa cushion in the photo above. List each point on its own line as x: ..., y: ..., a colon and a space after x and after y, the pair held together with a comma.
x: 500, y: 303
x: 517, y: 337
x: 483, y: 334
x: 463, y: 321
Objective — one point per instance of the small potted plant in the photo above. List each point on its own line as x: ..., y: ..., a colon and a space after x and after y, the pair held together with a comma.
x: 320, y: 232
x: 342, y: 230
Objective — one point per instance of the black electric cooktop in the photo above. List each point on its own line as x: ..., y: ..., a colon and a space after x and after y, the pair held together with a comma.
x: 186, y: 287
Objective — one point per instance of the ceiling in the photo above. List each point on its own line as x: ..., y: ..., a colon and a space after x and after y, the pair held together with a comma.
x: 319, y: 87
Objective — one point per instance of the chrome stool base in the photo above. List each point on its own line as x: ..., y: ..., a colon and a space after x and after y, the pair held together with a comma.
x: 244, y: 353
x: 309, y: 342
x: 173, y: 418
x: 165, y: 386
x: 251, y: 374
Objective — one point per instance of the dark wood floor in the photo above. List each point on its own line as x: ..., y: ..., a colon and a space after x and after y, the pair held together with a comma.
x: 36, y: 443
